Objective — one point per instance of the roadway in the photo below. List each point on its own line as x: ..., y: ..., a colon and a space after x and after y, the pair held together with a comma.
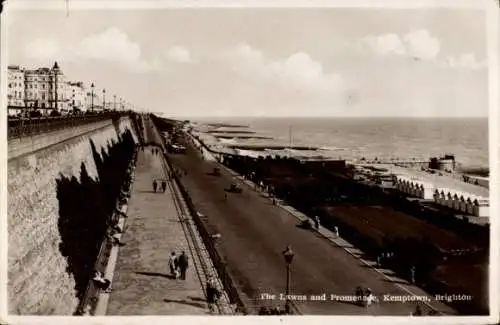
x: 254, y: 234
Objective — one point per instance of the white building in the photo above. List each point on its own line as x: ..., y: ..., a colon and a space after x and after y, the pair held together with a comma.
x: 76, y: 94
x: 45, y: 89
x: 93, y: 104
x: 15, y: 90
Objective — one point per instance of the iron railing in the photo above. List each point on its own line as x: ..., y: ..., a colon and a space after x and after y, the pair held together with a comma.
x: 21, y: 127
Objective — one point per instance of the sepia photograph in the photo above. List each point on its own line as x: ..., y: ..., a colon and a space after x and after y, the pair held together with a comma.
x: 248, y: 161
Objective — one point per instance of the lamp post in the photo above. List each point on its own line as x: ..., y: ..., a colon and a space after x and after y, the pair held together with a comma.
x: 92, y: 97
x: 288, y: 254
x: 104, y: 99
x: 114, y: 103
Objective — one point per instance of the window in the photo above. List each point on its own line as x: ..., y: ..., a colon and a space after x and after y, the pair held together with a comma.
x: 10, y: 85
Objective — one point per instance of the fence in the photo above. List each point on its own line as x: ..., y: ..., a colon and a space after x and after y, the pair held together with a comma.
x: 20, y: 127
x: 217, y: 260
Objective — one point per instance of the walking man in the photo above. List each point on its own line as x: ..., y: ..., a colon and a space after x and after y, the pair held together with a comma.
x: 212, y: 294
x: 163, y: 186
x: 183, y: 264
x: 336, y: 231
x: 412, y: 275
x: 172, y: 261
x: 316, y: 222
x: 155, y: 185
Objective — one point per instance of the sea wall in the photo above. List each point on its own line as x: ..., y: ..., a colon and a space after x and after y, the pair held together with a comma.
x: 58, y: 201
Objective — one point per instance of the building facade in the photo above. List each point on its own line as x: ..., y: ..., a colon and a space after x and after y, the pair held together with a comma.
x: 76, y: 95
x: 41, y: 89
x: 93, y: 102
x: 15, y: 90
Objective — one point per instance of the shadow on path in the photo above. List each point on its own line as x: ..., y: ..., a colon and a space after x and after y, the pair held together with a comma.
x: 185, y: 302
x: 168, y: 276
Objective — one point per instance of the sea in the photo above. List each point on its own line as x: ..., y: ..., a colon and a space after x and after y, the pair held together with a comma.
x: 383, y: 138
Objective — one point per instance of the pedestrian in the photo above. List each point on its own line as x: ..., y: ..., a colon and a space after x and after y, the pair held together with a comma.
x: 359, y: 295
x: 183, y: 264
x: 163, y: 185
x: 316, y: 222
x: 412, y: 275
x: 155, y: 185
x: 212, y: 294
x: 172, y: 263
x: 336, y: 231
x: 418, y: 311
x: 370, y: 298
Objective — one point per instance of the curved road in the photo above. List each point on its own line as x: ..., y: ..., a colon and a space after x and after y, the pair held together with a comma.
x: 254, y: 234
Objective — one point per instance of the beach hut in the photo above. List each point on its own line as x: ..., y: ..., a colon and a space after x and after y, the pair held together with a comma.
x: 456, y: 201
x: 462, y: 204
x: 470, y: 205
x: 449, y: 199
x: 481, y: 207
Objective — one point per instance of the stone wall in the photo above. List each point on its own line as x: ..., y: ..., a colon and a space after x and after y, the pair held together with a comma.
x: 56, y: 218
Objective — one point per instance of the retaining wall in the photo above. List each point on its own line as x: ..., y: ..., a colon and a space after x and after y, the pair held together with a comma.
x: 55, y: 197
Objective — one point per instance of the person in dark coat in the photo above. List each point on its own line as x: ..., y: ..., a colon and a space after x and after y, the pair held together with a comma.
x: 163, y: 186
x: 183, y: 264
x: 155, y: 185
x: 212, y: 294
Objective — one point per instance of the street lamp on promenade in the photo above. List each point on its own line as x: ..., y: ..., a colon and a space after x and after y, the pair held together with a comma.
x: 103, y: 99
x: 288, y: 254
x: 114, y: 103
x: 92, y: 97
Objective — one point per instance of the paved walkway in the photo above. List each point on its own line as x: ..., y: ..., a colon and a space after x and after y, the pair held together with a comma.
x: 141, y: 283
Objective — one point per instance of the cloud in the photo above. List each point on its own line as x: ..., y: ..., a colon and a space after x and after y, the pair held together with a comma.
x: 386, y: 44
x: 178, y: 54
x: 465, y: 61
x: 111, y: 45
x: 421, y: 44
x: 417, y: 43
x: 298, y: 70
x: 42, y: 49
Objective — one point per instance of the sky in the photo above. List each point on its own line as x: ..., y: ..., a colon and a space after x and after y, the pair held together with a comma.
x: 337, y: 62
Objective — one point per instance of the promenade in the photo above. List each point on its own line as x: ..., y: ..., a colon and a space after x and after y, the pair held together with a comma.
x: 254, y: 232
x: 141, y: 283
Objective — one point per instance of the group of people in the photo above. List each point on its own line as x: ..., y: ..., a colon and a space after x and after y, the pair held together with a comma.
x: 101, y: 282
x: 114, y: 230
x: 156, y: 151
x: 213, y: 294
x: 157, y: 184
x: 364, y: 296
x: 178, y: 265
